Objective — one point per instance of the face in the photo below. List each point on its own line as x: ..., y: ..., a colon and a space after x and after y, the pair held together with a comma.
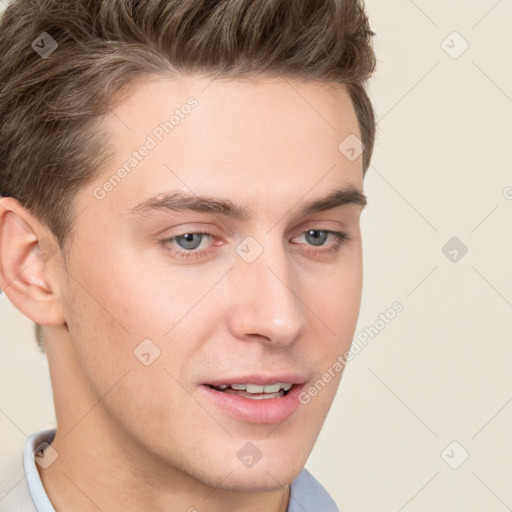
x: 171, y: 306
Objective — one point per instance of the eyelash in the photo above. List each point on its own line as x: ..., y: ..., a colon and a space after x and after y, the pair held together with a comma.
x: 340, y: 237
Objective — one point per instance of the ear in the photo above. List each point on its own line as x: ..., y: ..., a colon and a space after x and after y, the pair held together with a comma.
x: 29, y: 264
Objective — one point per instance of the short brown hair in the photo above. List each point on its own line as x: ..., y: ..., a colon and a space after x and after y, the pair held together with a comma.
x: 50, y: 146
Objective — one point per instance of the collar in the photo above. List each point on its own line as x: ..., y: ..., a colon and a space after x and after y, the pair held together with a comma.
x: 35, y: 443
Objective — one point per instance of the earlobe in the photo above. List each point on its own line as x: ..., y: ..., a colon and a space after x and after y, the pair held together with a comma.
x: 25, y: 258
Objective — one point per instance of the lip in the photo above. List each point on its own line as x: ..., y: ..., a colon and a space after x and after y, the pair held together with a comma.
x: 266, y: 411
x: 260, y: 380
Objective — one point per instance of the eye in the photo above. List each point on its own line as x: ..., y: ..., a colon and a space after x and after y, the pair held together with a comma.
x: 187, y: 243
x: 190, y: 241
x: 317, y: 238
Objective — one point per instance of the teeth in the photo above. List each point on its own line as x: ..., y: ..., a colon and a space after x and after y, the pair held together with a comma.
x: 256, y: 389
x: 253, y: 388
x: 263, y: 397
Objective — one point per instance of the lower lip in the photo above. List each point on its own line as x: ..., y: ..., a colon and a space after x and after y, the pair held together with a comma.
x: 268, y: 410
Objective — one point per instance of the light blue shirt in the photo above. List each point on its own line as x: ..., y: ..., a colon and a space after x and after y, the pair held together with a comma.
x: 306, y: 493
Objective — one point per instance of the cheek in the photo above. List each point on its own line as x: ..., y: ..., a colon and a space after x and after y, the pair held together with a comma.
x: 335, y: 310
x: 102, y: 346
x: 127, y: 322
x: 335, y: 301
x: 138, y: 378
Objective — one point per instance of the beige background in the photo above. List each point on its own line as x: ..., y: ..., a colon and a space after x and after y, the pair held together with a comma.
x: 440, y: 371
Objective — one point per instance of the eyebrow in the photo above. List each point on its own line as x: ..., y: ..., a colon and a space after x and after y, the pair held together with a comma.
x: 183, y: 201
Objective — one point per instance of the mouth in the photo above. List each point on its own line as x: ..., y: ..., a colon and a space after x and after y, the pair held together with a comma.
x: 256, y: 399
x: 255, y: 391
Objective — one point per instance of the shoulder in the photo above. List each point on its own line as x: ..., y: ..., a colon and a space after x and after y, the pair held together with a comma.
x: 308, y: 495
x: 14, y: 493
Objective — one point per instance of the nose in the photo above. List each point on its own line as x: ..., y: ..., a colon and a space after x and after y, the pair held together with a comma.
x: 268, y: 300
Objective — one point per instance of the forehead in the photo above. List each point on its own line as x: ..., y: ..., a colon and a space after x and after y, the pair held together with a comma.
x: 268, y: 139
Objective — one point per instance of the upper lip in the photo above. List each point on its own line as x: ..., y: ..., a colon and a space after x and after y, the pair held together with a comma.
x: 260, y: 380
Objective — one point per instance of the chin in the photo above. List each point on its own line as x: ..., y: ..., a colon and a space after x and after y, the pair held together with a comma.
x: 274, y: 469
x: 260, y: 479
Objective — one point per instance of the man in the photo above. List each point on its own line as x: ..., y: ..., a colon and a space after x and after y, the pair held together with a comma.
x: 182, y: 184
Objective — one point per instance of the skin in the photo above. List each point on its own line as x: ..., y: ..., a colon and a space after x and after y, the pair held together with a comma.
x: 132, y: 437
